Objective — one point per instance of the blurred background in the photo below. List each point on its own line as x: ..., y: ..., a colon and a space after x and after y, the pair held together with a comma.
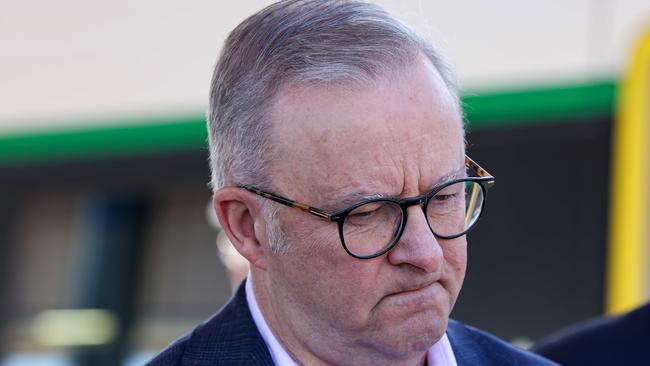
x: 107, y: 248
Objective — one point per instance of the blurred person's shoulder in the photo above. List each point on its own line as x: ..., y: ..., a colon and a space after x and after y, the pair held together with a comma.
x: 472, y: 346
x: 604, y: 340
x: 229, y: 337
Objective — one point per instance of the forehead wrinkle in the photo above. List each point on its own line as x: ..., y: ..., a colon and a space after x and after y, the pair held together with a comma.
x: 347, y: 196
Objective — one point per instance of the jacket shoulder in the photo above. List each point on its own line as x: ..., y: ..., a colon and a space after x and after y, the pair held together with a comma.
x: 172, y: 354
x: 475, y: 347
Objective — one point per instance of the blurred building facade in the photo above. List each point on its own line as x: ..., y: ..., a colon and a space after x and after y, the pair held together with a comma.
x: 106, y: 253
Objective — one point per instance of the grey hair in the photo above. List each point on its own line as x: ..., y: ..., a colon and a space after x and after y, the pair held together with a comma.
x: 302, y: 42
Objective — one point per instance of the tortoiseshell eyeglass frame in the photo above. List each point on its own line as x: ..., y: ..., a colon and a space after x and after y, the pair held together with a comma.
x: 484, y: 179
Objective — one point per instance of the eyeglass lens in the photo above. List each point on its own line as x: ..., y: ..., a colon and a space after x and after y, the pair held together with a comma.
x: 372, y: 227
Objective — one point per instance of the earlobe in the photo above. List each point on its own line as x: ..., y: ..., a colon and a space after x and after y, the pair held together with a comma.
x: 238, y: 213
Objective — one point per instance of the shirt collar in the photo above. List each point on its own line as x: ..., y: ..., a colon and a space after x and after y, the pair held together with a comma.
x: 440, y: 354
x: 278, y: 354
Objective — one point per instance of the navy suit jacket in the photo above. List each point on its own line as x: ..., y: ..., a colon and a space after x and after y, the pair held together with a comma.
x: 622, y: 340
x: 230, y: 337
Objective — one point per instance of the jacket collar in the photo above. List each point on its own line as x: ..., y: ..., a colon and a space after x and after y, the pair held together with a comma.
x: 230, y: 337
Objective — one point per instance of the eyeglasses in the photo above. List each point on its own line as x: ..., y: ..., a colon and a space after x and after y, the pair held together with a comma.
x: 372, y: 227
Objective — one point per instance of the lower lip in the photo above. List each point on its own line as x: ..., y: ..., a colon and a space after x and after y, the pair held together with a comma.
x: 418, y: 296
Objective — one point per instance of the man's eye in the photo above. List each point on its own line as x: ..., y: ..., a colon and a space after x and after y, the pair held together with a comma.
x: 371, y: 212
x: 444, y: 197
x: 363, y: 215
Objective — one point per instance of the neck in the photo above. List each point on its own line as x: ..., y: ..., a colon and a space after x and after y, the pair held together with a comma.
x: 314, y: 345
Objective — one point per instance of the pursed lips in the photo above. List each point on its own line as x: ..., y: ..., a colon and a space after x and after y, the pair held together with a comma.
x: 407, y: 288
x: 412, y: 294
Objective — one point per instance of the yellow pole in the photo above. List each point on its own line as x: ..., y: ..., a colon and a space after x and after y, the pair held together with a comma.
x: 628, y: 234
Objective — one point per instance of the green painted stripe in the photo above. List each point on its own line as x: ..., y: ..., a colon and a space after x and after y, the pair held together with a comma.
x: 487, y: 109
x: 543, y: 105
x: 161, y: 135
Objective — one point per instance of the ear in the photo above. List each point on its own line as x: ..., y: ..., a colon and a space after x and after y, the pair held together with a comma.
x: 240, y: 215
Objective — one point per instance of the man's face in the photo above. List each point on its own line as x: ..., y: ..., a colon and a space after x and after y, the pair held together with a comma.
x: 399, y: 138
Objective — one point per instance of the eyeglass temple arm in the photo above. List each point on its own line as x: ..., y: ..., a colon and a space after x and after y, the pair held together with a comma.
x: 479, y: 170
x: 287, y: 202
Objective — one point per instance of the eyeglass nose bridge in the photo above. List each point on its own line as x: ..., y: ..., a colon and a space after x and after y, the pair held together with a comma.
x: 419, y: 201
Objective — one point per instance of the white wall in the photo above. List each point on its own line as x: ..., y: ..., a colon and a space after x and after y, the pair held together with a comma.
x: 69, y: 62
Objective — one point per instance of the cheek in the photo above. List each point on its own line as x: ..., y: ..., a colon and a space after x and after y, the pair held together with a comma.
x: 455, y: 253
x: 331, y: 282
x: 316, y: 237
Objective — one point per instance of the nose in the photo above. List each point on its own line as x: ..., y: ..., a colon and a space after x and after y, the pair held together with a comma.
x: 417, y: 246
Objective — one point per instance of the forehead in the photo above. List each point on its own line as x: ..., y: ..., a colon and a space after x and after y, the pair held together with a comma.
x: 394, y: 137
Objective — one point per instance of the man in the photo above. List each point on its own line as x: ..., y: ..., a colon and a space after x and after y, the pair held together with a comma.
x: 618, y: 340
x: 337, y: 151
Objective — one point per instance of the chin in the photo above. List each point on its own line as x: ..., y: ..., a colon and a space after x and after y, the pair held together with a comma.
x: 411, y: 336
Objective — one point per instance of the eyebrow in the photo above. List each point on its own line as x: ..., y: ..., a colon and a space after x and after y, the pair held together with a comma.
x: 353, y: 197
x: 455, y: 174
